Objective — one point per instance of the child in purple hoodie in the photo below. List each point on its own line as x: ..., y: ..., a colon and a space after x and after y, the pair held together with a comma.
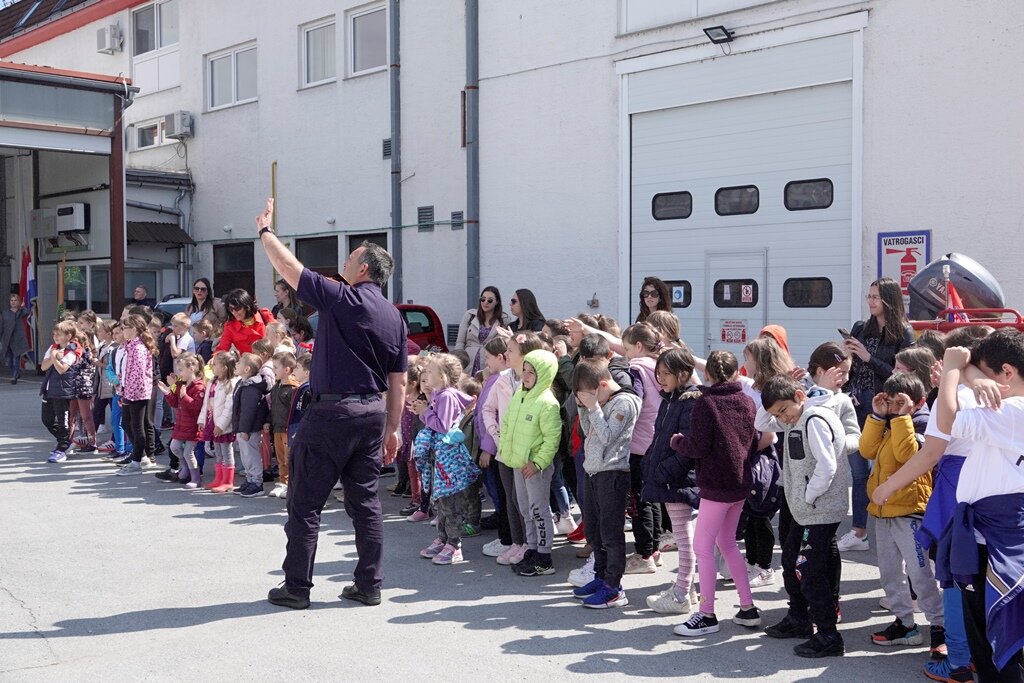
x: 721, y: 439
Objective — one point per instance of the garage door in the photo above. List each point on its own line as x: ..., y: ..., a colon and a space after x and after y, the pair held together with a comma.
x: 765, y: 177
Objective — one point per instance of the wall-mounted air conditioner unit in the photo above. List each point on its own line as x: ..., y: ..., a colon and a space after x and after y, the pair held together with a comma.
x: 44, y: 223
x: 108, y: 39
x: 72, y: 218
x: 178, y: 126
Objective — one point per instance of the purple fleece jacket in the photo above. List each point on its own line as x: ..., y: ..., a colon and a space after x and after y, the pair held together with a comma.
x: 722, y: 437
x: 445, y: 409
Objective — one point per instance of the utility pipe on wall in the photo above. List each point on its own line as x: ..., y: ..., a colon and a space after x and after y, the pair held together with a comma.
x: 472, y: 153
x: 394, y: 76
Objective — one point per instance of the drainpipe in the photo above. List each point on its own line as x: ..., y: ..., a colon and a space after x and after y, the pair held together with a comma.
x: 184, y: 252
x: 158, y: 208
x: 472, y: 153
x: 394, y: 73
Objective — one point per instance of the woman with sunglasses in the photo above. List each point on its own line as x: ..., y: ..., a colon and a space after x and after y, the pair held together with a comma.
x: 479, y: 326
x: 246, y: 324
x: 528, y: 316
x: 654, y: 296
x: 873, y: 345
x: 203, y: 302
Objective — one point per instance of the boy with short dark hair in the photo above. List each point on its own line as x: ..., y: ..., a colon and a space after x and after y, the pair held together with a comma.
x: 816, y: 476
x: 58, y: 388
x: 893, y: 433
x: 607, y: 414
x: 982, y: 549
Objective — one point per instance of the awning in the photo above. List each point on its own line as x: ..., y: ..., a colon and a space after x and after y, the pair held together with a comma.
x: 157, y: 233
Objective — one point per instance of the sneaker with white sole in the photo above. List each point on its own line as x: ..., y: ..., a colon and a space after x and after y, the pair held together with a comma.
x: 106, y: 447
x: 57, y: 456
x: 449, y: 555
x: 667, y: 543
x: 764, y: 577
x: 849, y: 542
x: 583, y: 575
x: 146, y: 462
x: 431, y: 551
x: 665, y: 603
x: 699, y: 624
x: 606, y: 597
x: 279, y: 491
x: 130, y: 469
x: 750, y: 617
x: 637, y: 564
x: 495, y: 548
x: 513, y: 555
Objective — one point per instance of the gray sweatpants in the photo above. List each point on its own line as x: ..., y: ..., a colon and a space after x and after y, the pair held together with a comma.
x: 451, y: 515
x: 534, y: 496
x: 896, y: 547
x: 252, y: 459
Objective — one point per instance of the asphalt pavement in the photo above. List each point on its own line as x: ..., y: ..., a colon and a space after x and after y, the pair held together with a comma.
x: 128, y: 578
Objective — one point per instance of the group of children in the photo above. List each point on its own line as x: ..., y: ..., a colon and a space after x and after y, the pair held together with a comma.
x: 722, y: 447
x: 689, y: 453
x: 151, y: 374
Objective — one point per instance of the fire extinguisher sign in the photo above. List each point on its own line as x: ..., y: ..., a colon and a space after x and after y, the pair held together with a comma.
x: 901, y: 255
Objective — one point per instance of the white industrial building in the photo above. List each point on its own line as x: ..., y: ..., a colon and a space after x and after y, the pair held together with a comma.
x: 616, y: 140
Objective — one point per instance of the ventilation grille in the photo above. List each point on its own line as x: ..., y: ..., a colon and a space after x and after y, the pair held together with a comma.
x: 425, y: 218
x: 453, y: 334
x: 457, y: 223
x: 386, y: 148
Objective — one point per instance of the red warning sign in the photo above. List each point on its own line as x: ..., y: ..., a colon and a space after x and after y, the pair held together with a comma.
x: 747, y: 294
x: 734, y: 332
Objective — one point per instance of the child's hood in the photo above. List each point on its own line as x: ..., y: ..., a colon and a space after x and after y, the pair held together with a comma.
x: 778, y: 333
x: 545, y: 364
x: 257, y: 380
x: 819, y: 396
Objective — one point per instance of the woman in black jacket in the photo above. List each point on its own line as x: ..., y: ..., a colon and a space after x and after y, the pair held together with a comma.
x: 523, y: 305
x: 873, y: 345
x: 670, y: 478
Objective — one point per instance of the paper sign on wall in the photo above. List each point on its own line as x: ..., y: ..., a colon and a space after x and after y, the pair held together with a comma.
x: 734, y: 332
x: 902, y: 255
x: 747, y: 294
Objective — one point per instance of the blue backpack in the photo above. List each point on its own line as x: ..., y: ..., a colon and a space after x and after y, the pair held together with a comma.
x: 765, y: 492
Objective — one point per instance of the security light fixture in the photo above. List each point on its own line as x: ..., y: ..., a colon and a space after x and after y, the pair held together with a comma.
x: 718, y: 34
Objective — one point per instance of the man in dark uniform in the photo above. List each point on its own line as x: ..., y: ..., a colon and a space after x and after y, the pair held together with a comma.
x: 357, y: 381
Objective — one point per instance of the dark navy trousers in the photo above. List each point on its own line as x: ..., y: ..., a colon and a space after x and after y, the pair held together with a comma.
x: 335, y: 441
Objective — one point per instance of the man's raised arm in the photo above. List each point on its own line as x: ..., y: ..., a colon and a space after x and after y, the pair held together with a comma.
x: 281, y: 258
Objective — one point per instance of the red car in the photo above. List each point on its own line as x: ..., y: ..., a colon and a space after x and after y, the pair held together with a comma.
x: 425, y: 327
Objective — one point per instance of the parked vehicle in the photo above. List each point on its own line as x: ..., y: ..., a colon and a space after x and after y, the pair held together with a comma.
x: 425, y: 327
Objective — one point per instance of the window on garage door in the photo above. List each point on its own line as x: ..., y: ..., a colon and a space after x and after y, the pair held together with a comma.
x: 803, y: 195
x: 807, y: 292
x: 737, y: 201
x: 671, y: 205
x: 735, y: 293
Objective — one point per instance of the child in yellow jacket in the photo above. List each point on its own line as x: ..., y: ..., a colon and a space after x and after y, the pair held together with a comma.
x: 892, y: 435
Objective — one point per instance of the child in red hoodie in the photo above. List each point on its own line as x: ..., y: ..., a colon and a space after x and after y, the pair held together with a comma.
x: 185, y: 395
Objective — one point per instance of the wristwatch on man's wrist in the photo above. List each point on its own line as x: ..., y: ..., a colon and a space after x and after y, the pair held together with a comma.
x: 265, y: 229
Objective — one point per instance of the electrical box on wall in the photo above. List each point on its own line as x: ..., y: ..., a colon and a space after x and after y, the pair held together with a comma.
x: 108, y: 40
x: 72, y: 218
x: 178, y: 126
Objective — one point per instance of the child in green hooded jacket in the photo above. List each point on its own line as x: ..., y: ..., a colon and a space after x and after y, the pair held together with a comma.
x: 530, y: 432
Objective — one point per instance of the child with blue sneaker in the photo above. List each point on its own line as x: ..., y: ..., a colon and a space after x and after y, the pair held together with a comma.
x: 607, y: 416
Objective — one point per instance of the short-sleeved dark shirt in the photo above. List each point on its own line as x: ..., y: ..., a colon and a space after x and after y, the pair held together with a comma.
x: 360, y: 338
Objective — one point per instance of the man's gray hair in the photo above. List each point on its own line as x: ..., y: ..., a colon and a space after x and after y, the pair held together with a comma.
x: 379, y: 262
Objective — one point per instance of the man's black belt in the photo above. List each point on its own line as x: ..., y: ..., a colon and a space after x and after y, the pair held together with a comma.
x: 346, y: 398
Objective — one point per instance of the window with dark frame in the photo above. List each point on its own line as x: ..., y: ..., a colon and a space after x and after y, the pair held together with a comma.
x: 735, y: 293
x: 682, y: 293
x: 319, y: 254
x: 807, y: 292
x: 804, y: 195
x: 737, y: 201
x: 671, y: 205
x: 233, y: 268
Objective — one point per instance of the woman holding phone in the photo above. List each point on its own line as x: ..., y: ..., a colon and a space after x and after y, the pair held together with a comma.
x: 873, y: 345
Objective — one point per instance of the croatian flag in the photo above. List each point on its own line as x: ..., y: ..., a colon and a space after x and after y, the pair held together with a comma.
x: 956, y: 302
x: 27, y: 290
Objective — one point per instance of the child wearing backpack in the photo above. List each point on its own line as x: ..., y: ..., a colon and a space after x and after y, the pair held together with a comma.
x: 816, y: 478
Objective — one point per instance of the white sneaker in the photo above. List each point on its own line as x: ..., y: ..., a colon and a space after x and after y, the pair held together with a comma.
x: 495, y: 548
x: 584, y: 575
x: 764, y: 577
x: 147, y: 462
x: 565, y: 525
x: 279, y: 491
x: 636, y: 564
x: 850, y: 542
x: 666, y: 603
x: 130, y: 469
x: 667, y: 543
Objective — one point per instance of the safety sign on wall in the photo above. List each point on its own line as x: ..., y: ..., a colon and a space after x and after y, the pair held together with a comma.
x: 902, y: 255
x: 734, y: 332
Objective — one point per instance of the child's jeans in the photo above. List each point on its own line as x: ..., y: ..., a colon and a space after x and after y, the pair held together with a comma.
x: 716, y: 526
x: 451, y: 515
x: 116, y: 430
x: 252, y: 459
x: 533, y: 496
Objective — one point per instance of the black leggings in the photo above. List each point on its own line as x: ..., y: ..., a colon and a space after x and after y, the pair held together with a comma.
x: 138, y: 424
x: 647, y: 521
x: 759, y: 539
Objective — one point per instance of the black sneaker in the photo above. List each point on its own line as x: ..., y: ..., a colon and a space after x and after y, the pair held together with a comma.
x: 353, y: 592
x: 87, y: 449
x: 748, y: 617
x: 388, y: 471
x: 898, y: 633
x: 789, y: 628
x: 408, y: 510
x: 699, y: 624
x: 821, y: 645
x: 167, y: 475
x: 528, y: 559
x: 281, y: 597
x: 537, y: 567
x: 123, y: 460
x: 269, y: 476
